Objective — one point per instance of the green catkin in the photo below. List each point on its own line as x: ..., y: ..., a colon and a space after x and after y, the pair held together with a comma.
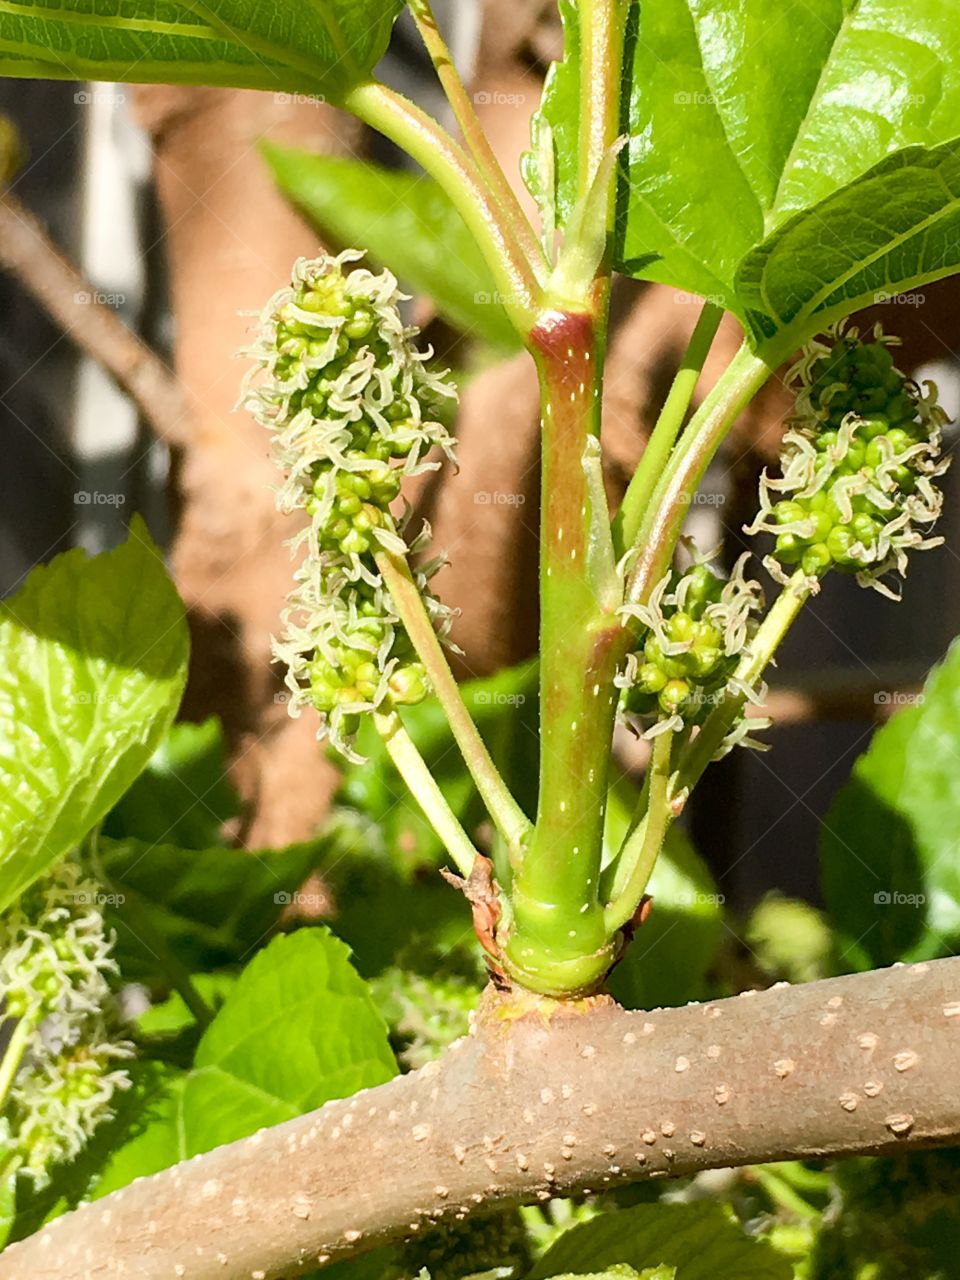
x: 56, y: 969
x: 856, y: 489
x: 352, y: 408
x: 696, y: 626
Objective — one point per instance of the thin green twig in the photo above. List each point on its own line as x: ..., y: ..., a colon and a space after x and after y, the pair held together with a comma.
x: 663, y: 437
x: 404, y: 123
x: 755, y: 660
x: 473, y: 135
x: 13, y: 1055
x: 423, y: 787
x: 642, y: 848
x: 512, y: 823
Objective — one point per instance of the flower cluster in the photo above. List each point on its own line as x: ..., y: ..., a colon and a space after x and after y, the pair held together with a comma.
x: 696, y: 625
x: 856, y: 488
x: 55, y: 970
x: 352, y: 408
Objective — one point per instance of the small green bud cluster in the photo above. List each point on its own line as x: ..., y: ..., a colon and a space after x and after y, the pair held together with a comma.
x: 62, y: 1097
x: 349, y: 401
x: 696, y: 625
x: 857, y: 465
x: 55, y: 969
x: 426, y: 1014
x: 492, y: 1246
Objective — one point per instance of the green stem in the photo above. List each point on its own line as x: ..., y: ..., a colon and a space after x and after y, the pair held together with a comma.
x: 404, y: 123
x: 466, y: 116
x: 423, y: 787
x: 558, y: 943
x: 602, y: 26
x: 661, y: 524
x: 751, y: 667
x: 782, y: 1194
x: 512, y: 823
x: 663, y: 437
x: 13, y: 1055
x: 642, y: 848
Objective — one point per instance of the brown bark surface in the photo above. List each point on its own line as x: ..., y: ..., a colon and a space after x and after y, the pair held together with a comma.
x: 542, y: 1100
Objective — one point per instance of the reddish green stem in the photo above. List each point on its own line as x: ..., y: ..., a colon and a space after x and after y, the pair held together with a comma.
x: 558, y: 943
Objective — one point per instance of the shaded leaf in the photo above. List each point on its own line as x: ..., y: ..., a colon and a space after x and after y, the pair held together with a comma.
x: 321, y: 48
x: 891, y: 876
x: 667, y: 961
x: 698, y: 1241
x: 505, y: 709
x: 210, y: 907
x: 93, y: 660
x: 624, y: 1273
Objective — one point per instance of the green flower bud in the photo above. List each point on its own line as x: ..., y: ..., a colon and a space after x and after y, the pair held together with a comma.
x: 408, y: 685
x: 695, y: 626
x: 351, y: 405
x: 858, y: 465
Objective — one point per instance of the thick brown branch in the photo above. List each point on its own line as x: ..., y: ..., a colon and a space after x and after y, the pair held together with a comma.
x: 543, y: 1099
x: 71, y: 301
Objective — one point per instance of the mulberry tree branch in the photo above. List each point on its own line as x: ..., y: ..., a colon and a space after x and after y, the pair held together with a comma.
x: 542, y: 1099
x: 71, y: 302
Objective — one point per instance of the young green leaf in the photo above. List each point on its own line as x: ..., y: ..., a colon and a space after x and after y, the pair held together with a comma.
x: 407, y: 223
x: 895, y: 227
x: 302, y: 999
x: 322, y: 48
x: 753, y: 146
x: 891, y: 877
x: 93, y: 660
x: 699, y: 1241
